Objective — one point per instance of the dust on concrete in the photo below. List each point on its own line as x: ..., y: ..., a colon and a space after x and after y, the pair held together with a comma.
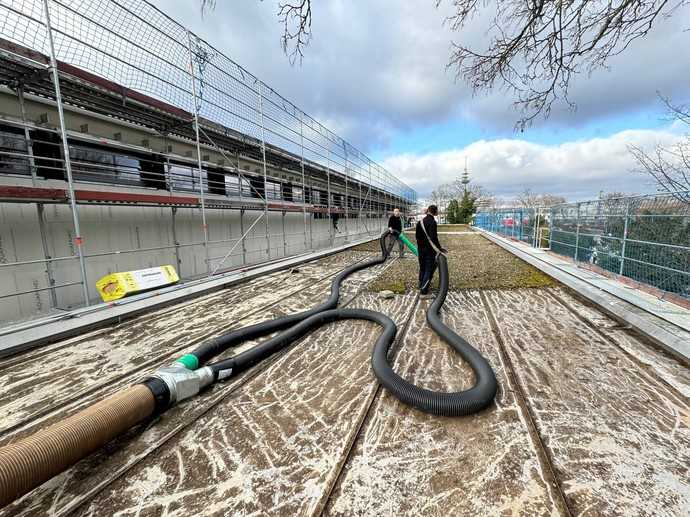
x: 474, y: 262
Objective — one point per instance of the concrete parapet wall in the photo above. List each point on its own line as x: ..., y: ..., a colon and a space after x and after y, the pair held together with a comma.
x: 145, y: 237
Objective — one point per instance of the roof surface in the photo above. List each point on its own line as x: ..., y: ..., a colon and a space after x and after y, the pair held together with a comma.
x: 589, y: 419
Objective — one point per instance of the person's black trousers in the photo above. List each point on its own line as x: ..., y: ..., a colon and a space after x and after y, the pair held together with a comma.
x: 427, y: 266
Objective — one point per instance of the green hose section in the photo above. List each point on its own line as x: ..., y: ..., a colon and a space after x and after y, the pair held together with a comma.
x: 408, y: 243
x: 189, y: 361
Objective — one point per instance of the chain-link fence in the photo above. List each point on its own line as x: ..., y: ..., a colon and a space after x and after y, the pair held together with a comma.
x: 645, y: 238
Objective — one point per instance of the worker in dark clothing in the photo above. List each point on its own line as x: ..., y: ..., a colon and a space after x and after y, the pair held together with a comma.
x: 428, y: 246
x: 395, y: 225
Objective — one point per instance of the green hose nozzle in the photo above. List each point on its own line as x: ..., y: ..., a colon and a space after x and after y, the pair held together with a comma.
x: 408, y: 243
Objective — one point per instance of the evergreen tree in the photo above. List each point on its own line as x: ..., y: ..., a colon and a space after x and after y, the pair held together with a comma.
x: 467, y: 208
x: 453, y: 212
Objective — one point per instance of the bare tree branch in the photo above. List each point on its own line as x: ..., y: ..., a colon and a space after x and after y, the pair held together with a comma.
x: 668, y: 167
x: 537, y: 46
x: 530, y: 199
x: 207, y: 6
x: 296, y: 20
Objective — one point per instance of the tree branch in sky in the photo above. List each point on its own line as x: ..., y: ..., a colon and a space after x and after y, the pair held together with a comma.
x: 535, y: 47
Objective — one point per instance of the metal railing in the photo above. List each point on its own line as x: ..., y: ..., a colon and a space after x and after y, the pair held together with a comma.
x: 644, y: 238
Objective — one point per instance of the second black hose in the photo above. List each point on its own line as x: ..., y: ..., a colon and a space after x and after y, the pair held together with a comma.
x: 466, y: 402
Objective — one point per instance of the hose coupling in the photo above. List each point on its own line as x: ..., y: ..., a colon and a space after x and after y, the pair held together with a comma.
x: 183, y: 383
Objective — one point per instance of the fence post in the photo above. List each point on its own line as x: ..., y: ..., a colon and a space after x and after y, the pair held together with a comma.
x: 551, y: 218
x: 78, y: 241
x: 577, y: 231
x: 197, y: 106
x: 625, y: 236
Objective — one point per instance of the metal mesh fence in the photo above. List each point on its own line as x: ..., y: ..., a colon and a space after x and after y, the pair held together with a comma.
x: 523, y: 224
x: 152, y: 73
x: 645, y: 238
x: 135, y: 45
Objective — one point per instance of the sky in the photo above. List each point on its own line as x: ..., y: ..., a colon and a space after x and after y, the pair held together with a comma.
x: 375, y: 72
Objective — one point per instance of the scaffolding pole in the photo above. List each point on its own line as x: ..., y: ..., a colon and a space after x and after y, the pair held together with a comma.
x: 347, y: 201
x: 263, y: 156
x: 197, y: 106
x: 304, y: 188
x: 331, y: 231
x: 78, y: 241
x: 244, y: 244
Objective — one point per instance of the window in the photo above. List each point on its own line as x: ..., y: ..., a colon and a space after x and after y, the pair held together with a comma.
x: 127, y: 169
x: 12, y: 147
x: 287, y: 191
x: 153, y: 172
x: 105, y: 167
x: 183, y: 177
x: 272, y: 190
x: 216, y: 181
x: 232, y: 186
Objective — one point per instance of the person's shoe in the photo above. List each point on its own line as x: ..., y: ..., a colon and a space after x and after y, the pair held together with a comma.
x: 427, y: 296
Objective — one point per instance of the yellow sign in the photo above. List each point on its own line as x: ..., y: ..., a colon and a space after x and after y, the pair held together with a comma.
x: 118, y: 285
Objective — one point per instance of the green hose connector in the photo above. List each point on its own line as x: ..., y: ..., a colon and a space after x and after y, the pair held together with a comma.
x: 408, y: 243
x: 189, y: 361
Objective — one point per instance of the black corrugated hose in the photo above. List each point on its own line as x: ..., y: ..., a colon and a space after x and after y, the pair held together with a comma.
x: 460, y: 403
x: 31, y: 460
x: 215, y: 346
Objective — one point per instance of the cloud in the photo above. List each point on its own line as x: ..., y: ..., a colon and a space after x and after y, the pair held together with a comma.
x: 576, y: 170
x: 376, y: 68
x: 371, y: 68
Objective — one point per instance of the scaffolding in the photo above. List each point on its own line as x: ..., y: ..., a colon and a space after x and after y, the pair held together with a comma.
x: 113, y: 103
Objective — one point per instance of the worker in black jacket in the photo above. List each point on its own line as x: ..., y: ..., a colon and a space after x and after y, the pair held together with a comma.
x: 428, y: 246
x: 395, y: 225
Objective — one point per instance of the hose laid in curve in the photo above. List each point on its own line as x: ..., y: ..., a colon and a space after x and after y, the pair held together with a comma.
x: 249, y: 358
x: 460, y: 403
x: 215, y: 346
